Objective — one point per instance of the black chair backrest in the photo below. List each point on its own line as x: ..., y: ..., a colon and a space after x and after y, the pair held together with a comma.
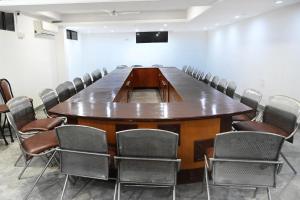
x: 5, y: 90
x: 230, y: 90
x: 96, y: 75
x: 279, y: 118
x: 71, y: 87
x: 79, y: 85
x: 63, y: 92
x: 21, y: 110
x: 49, y: 98
x: 87, y: 80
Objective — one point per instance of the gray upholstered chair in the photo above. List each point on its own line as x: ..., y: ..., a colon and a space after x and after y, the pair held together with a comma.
x: 157, y: 65
x: 215, y: 81
x: 252, y: 99
x: 87, y: 80
x: 230, y: 90
x: 122, y: 67
x: 188, y: 69
x: 280, y: 117
x: 34, y: 144
x: 49, y: 99
x: 96, y: 75
x: 200, y: 76
x: 191, y: 70
x: 136, y: 66
x: 105, y: 72
x: 83, y: 152
x: 63, y: 92
x: 79, y: 85
x: 147, y: 157
x: 207, y: 78
x: 184, y: 68
x: 244, y: 159
x: 71, y: 87
x: 195, y: 73
x: 222, y: 85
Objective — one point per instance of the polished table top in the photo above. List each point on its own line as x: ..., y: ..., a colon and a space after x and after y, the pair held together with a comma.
x: 200, y: 101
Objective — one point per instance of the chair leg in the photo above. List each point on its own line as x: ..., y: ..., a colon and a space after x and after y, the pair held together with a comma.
x: 269, y: 194
x: 39, y: 177
x: 255, y: 192
x: 289, y: 164
x: 2, y: 130
x: 119, y: 191
x: 10, y: 132
x: 203, y: 182
x: 25, y: 167
x: 207, y: 186
x: 64, y: 188
x: 116, y: 189
x: 174, y: 192
x: 19, y: 158
x: 9, y: 128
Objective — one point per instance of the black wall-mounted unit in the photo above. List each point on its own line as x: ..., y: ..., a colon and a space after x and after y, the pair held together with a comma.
x: 152, y: 37
x: 72, y: 35
x: 7, y: 21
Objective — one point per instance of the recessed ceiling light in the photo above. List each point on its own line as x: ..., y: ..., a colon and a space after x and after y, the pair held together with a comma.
x: 237, y: 17
x: 216, y: 24
x: 278, y: 2
x: 137, y: 30
x: 104, y: 26
x: 112, y: 31
x: 165, y: 25
x: 205, y: 28
x: 161, y: 29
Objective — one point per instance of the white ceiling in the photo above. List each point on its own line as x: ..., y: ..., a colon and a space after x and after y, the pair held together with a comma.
x: 142, y: 15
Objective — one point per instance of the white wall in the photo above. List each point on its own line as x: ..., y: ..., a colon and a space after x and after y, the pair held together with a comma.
x: 29, y: 63
x: 110, y: 50
x: 261, y: 53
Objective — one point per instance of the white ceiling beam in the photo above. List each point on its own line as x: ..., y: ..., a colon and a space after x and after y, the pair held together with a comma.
x: 61, y: 2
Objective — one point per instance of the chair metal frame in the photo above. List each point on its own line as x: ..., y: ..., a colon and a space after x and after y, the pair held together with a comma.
x: 5, y: 115
x: 43, y: 95
x: 82, y: 153
x: 20, y: 137
x: 28, y: 157
x: 297, y: 114
x: 208, y: 166
x: 146, y: 184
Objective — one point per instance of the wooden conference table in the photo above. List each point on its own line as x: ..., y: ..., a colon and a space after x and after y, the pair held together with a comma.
x: 189, y: 107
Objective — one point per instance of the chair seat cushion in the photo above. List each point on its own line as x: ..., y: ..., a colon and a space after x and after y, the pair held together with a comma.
x: 42, y: 124
x: 240, y: 118
x: 40, y: 142
x: 3, y: 108
x: 209, y: 152
x: 259, y: 126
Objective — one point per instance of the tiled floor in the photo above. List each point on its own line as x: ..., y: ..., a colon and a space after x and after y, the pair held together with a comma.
x: 50, y: 186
